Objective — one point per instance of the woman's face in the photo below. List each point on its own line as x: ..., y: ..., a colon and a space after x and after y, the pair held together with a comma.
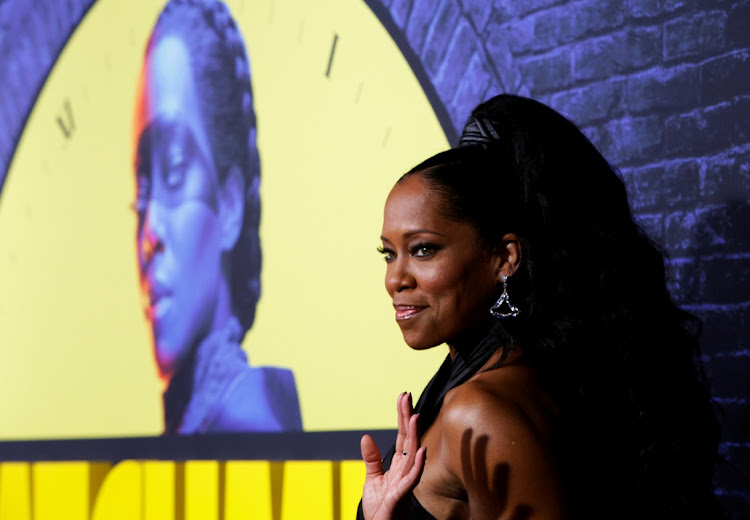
x: 179, y: 251
x: 442, y: 278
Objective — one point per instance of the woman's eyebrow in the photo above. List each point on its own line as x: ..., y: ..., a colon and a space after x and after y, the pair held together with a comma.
x: 409, y: 234
x: 413, y: 232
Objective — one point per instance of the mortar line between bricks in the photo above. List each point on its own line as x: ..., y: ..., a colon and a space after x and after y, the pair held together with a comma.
x: 598, y: 33
x: 579, y: 84
x: 731, y: 400
x: 727, y: 256
x: 543, y: 8
x: 742, y: 353
x: 741, y: 50
x: 565, y: 46
x: 683, y: 260
x: 488, y: 57
x: 736, y: 149
x: 733, y: 493
x: 724, y: 103
x: 722, y: 307
x: 496, y: 72
x: 582, y: 83
x: 463, y: 12
x: 730, y: 444
x: 481, y: 41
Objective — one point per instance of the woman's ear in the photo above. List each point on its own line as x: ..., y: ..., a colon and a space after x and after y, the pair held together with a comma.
x: 509, y: 255
x: 231, y: 207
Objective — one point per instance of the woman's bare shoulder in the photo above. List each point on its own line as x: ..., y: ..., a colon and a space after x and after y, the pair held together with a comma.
x: 503, y: 401
x: 496, y: 436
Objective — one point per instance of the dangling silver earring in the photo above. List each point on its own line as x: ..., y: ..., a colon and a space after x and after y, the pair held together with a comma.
x: 504, y: 300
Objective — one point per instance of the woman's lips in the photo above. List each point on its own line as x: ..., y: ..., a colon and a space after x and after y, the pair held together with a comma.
x: 407, y: 312
x: 158, y: 300
x: 156, y: 310
x: 161, y: 307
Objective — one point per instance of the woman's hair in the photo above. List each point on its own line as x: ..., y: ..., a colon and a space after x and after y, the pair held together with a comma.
x: 638, y: 433
x: 222, y: 77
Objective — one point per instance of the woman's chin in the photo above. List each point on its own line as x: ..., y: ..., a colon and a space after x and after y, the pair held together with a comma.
x: 420, y: 342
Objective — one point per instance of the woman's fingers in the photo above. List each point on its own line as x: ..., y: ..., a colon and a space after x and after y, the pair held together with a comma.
x: 402, y: 422
x: 411, y: 444
x: 371, y: 456
x: 406, y: 409
x: 399, y: 488
x: 413, y: 434
x: 411, y: 479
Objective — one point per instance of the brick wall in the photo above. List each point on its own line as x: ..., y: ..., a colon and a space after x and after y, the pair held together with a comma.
x: 34, y: 38
x: 662, y: 87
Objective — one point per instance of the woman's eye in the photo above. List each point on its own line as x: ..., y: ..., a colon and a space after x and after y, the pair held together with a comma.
x: 143, y: 193
x: 423, y: 250
x: 175, y: 175
x: 175, y: 171
x: 388, y: 255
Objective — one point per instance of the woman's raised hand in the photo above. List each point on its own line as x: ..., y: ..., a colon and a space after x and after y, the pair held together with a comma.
x: 383, y: 491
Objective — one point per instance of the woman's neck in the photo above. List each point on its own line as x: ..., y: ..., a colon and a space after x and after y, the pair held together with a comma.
x: 467, y: 341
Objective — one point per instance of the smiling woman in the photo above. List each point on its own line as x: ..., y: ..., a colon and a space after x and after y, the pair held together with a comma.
x: 439, y: 272
x: 569, y: 391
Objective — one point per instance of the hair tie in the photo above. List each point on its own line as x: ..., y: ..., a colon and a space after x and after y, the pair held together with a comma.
x: 478, y: 131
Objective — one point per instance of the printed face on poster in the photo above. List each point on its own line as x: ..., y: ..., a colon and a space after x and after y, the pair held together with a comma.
x: 162, y: 229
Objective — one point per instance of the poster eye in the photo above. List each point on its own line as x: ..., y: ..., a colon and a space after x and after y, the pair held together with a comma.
x: 174, y: 176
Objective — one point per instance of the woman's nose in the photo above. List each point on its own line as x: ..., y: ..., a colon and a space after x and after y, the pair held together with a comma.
x: 151, y: 237
x: 399, y: 276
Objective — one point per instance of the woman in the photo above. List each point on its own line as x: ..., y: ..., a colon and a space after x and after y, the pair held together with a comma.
x: 572, y: 388
x: 198, y: 205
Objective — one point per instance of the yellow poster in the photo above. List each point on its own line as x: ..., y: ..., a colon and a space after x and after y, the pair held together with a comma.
x: 338, y: 117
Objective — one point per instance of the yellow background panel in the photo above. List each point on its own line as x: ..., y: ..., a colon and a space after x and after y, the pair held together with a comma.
x: 202, y: 490
x: 352, y: 480
x: 165, y: 490
x: 159, y: 490
x: 15, y: 491
x: 69, y: 489
x: 78, y: 349
x: 247, y: 491
x: 121, y: 494
x: 308, y: 490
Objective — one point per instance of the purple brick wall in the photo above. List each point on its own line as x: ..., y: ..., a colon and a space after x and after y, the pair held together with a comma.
x: 663, y: 88
x: 30, y: 41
